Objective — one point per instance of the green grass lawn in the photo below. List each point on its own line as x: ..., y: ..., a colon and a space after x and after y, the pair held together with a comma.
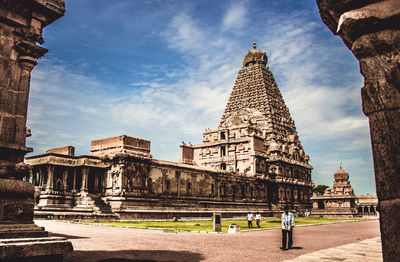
x: 203, y: 225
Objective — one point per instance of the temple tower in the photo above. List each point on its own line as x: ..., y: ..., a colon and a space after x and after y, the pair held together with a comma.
x: 257, y: 136
x: 338, y: 201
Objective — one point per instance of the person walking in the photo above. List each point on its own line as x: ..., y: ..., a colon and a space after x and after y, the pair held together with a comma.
x: 250, y: 219
x: 287, y: 229
x: 258, y: 219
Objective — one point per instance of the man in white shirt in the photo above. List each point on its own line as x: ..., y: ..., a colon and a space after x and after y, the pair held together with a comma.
x: 287, y: 229
x: 250, y: 219
x: 258, y: 219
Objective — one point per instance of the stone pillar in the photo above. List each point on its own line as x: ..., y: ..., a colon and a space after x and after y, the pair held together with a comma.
x: 40, y: 178
x: 371, y: 30
x: 178, y: 183
x: 34, y: 177
x: 74, y: 182
x: 65, y: 179
x: 164, y: 181
x: 21, y: 25
x: 50, y: 178
x: 85, y: 175
x: 96, y: 182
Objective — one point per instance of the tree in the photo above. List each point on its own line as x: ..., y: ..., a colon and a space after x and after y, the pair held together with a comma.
x: 320, y: 189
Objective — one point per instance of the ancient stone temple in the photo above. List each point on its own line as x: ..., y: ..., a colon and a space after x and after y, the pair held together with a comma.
x: 252, y: 161
x: 257, y: 137
x: 21, y: 26
x: 338, y: 201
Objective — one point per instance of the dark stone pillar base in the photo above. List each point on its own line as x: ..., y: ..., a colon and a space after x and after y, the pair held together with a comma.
x: 34, y: 249
x: 20, y: 239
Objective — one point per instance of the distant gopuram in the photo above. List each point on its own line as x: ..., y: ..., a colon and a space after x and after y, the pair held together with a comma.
x: 338, y: 201
x: 252, y: 161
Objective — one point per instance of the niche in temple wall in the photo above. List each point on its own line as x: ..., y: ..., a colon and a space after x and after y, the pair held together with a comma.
x: 136, y: 176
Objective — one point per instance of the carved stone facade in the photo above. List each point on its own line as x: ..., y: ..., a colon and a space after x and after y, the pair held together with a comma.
x: 338, y: 201
x: 371, y: 30
x: 252, y: 161
x: 21, y: 27
x: 257, y: 137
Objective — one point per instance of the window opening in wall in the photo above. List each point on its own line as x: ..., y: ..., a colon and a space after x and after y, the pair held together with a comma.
x: 212, y: 188
x: 189, y: 186
x: 223, y: 166
x: 223, y: 151
x: 167, y: 184
x: 223, y: 137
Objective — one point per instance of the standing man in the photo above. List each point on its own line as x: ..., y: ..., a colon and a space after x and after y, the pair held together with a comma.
x: 287, y: 225
x: 250, y: 219
x: 258, y: 219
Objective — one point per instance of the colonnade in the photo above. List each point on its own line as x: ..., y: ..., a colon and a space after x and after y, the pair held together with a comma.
x: 57, y: 179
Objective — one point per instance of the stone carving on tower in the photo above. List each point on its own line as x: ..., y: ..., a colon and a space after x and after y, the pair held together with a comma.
x: 256, y: 135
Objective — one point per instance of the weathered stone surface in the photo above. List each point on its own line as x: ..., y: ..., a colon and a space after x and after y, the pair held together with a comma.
x: 64, y: 150
x: 21, y: 24
x: 54, y: 247
x: 389, y: 213
x: 257, y: 137
x: 120, y: 144
x: 371, y: 30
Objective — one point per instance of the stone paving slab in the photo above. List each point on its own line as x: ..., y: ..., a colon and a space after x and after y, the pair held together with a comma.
x: 368, y: 250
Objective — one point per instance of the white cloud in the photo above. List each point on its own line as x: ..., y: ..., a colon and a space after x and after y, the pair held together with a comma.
x: 235, y: 17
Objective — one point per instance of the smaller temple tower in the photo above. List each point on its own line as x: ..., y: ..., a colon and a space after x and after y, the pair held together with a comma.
x: 338, y: 201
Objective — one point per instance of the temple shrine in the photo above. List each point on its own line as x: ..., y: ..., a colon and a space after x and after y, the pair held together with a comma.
x: 338, y: 201
x: 252, y: 161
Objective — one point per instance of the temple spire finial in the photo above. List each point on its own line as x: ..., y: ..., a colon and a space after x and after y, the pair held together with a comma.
x: 341, y: 165
x: 254, y: 44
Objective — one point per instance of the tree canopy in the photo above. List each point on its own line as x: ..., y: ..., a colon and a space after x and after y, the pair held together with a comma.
x: 320, y: 189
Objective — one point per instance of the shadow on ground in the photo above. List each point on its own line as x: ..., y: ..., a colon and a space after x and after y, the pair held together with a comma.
x: 66, y: 236
x: 296, y: 248
x: 133, y: 256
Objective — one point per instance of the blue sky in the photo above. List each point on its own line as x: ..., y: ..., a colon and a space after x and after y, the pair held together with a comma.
x: 163, y: 71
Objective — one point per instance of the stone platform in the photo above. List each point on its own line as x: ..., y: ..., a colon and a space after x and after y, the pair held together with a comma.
x: 34, y: 249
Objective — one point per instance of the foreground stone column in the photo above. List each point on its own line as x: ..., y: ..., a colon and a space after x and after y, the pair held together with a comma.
x: 371, y: 30
x: 21, y: 25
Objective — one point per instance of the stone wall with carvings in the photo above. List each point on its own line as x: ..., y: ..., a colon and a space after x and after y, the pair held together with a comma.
x: 257, y: 137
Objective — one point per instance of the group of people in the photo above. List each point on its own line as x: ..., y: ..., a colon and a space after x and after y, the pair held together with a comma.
x: 287, y: 225
x: 250, y: 218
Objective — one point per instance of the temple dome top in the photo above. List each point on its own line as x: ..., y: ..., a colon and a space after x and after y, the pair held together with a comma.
x: 341, y: 174
x: 255, y: 56
x: 341, y: 171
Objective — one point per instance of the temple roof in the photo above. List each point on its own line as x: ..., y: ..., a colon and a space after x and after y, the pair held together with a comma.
x: 255, y: 56
x: 256, y: 100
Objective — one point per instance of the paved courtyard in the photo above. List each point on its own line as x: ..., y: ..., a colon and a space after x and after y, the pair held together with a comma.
x: 103, y: 243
